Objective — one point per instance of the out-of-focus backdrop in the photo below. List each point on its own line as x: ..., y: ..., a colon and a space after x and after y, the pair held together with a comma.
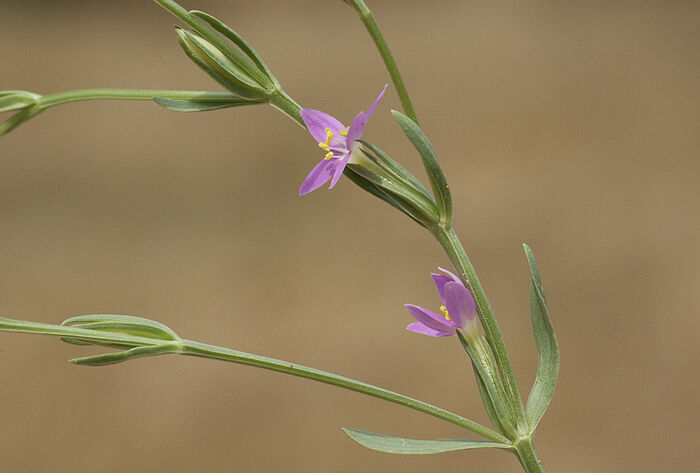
x: 572, y: 126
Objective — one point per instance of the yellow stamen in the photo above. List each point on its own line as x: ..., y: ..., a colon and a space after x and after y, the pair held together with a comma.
x: 324, y: 146
x: 329, y: 135
x: 343, y: 132
x: 444, y: 312
x: 329, y: 155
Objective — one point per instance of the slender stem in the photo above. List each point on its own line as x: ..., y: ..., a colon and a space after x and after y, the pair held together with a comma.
x: 448, y: 240
x: 52, y: 100
x: 285, y: 104
x: 525, y: 450
x: 188, y: 347
x: 370, y: 23
x: 226, y: 354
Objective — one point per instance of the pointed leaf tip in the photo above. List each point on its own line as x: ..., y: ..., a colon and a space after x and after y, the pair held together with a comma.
x: 547, y: 347
x: 404, y: 446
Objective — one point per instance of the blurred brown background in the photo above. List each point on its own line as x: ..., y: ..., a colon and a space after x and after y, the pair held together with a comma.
x: 572, y: 126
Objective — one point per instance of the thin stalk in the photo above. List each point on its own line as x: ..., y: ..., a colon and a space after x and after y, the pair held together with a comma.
x: 449, y: 241
x: 48, y: 101
x: 526, y: 453
x: 188, y: 347
x: 285, y: 104
x: 226, y: 354
x: 371, y: 24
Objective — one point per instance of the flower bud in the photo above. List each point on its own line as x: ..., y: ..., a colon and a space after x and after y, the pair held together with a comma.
x: 229, y: 72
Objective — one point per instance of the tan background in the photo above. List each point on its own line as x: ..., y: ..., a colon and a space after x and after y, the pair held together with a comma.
x: 572, y: 126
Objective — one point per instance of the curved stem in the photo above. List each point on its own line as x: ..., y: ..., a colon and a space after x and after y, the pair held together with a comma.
x: 370, y: 23
x: 449, y: 241
x: 226, y: 354
x: 48, y: 101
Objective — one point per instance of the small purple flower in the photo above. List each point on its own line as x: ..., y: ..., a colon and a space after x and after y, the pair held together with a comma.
x: 339, y: 143
x: 458, y: 309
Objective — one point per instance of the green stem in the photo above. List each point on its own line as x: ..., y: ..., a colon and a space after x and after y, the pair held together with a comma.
x: 525, y: 451
x: 188, y: 347
x: 226, y: 354
x: 285, y: 104
x: 48, y: 101
x: 370, y: 23
x: 448, y: 240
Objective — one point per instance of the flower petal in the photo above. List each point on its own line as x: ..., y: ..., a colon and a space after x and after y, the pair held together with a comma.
x: 318, y: 176
x: 459, y: 303
x: 338, y: 170
x: 440, y: 281
x: 376, y: 102
x: 317, y: 122
x: 357, y: 127
x: 430, y: 319
x: 452, y: 275
x: 422, y: 329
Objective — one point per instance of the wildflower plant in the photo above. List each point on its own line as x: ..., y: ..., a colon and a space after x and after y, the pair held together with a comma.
x: 465, y: 312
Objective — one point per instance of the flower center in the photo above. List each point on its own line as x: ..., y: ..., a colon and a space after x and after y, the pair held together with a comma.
x: 342, y: 149
x: 443, y: 309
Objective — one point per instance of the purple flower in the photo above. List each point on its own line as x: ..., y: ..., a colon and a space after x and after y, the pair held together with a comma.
x: 339, y: 143
x: 458, y: 309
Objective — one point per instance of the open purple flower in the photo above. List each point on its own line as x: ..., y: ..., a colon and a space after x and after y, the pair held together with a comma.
x: 337, y: 141
x: 458, y: 309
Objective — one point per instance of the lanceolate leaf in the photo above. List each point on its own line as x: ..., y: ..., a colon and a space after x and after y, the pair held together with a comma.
x: 430, y: 160
x: 389, y: 444
x: 547, y: 348
x: 237, y: 39
x: 203, y: 104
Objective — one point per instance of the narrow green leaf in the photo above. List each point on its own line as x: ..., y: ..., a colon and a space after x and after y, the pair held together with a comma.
x: 368, y: 186
x: 222, y: 69
x: 16, y: 99
x: 237, y: 39
x: 438, y: 182
x: 547, y: 348
x: 496, y: 398
x: 419, y: 209
x: 203, y: 104
x: 127, y: 324
x: 399, y: 171
x: 18, y: 118
x: 390, y: 444
x: 118, y: 357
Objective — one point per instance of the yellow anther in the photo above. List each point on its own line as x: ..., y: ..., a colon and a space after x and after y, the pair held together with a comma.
x: 324, y: 146
x: 329, y: 155
x: 444, y: 312
x: 329, y: 135
x: 343, y: 132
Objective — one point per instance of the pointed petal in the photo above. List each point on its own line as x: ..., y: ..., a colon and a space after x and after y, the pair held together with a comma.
x: 340, y: 166
x: 430, y: 319
x: 422, y: 329
x: 318, y: 176
x: 460, y: 303
x: 452, y: 275
x: 376, y: 102
x: 357, y: 127
x: 440, y: 281
x: 317, y: 122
